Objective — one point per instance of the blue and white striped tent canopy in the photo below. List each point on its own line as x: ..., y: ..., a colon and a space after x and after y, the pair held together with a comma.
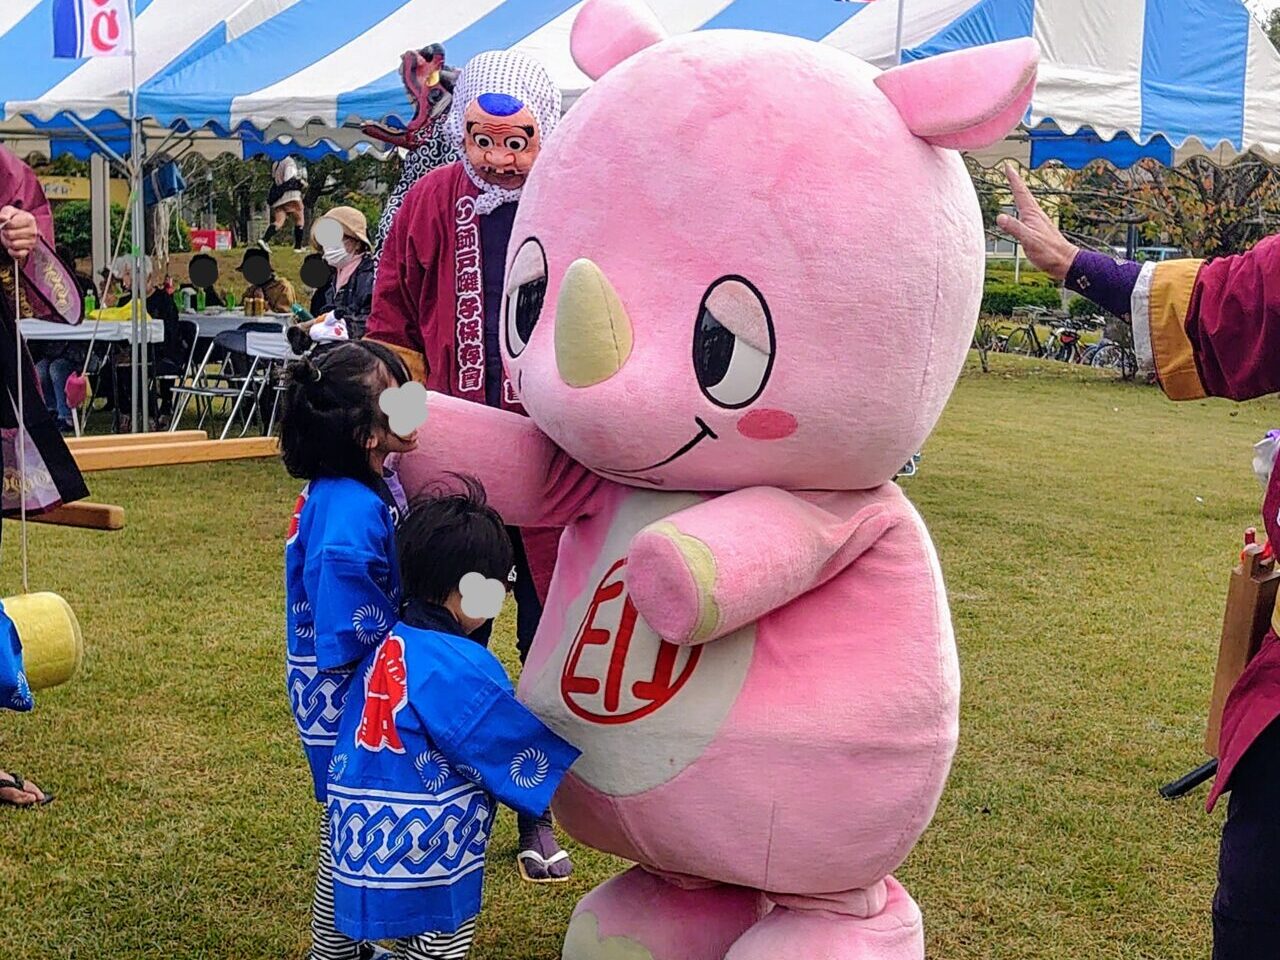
x: 1121, y: 78
x: 38, y: 93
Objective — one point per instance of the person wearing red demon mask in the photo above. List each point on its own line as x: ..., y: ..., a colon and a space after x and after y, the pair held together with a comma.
x: 438, y: 298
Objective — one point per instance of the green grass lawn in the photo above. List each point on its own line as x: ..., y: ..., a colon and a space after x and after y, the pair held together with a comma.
x: 1085, y: 526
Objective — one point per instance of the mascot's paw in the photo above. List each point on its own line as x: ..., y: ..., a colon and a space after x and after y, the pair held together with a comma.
x: 895, y: 933
x: 541, y: 859
x: 672, y: 579
x: 638, y: 916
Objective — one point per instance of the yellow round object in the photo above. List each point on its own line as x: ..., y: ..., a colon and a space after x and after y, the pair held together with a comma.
x: 52, y: 645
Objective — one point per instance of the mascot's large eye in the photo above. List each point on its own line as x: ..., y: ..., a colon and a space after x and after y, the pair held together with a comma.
x: 733, y: 343
x: 483, y: 141
x: 516, y: 144
x: 526, y: 289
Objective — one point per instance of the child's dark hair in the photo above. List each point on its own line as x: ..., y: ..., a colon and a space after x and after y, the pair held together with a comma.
x: 447, y: 536
x: 331, y: 409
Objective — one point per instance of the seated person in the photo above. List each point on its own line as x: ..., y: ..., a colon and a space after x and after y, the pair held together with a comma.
x: 263, y: 282
x: 349, y: 292
x: 55, y: 361
x: 434, y: 734
x: 203, y: 273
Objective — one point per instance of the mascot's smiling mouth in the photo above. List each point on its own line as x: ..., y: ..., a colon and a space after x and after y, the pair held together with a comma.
x: 703, y: 432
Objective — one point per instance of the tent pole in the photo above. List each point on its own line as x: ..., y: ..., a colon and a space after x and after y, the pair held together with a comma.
x: 137, y: 346
x: 902, y: 4
x: 100, y: 211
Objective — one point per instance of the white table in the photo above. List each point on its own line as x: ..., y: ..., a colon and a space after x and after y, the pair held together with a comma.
x: 210, y: 324
x: 109, y: 331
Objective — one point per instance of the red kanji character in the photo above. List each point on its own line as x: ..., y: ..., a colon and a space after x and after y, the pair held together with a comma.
x: 466, y: 239
x: 470, y: 379
x: 470, y: 355
x: 469, y: 332
x: 468, y: 260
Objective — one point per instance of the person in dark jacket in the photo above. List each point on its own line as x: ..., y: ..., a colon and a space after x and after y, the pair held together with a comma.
x: 342, y: 237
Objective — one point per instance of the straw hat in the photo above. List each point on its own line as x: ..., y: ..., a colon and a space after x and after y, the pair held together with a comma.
x: 353, y: 225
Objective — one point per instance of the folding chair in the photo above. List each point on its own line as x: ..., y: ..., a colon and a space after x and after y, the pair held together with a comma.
x: 267, y: 347
x: 185, y: 330
x: 223, y: 384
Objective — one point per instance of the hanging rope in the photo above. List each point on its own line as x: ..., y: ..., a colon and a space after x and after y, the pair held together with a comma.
x: 111, y: 275
x: 22, y: 421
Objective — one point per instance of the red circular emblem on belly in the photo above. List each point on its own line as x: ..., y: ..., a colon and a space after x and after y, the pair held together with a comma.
x: 618, y: 670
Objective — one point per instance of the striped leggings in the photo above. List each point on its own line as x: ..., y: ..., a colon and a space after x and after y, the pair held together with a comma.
x: 328, y: 944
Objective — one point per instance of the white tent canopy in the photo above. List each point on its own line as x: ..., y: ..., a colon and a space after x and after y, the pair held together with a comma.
x: 1144, y: 77
x: 1148, y: 76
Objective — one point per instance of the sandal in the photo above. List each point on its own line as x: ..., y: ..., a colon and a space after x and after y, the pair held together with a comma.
x: 17, y: 781
x: 535, y: 868
x: 540, y: 859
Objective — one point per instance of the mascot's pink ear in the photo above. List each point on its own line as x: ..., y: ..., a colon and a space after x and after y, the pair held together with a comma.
x: 606, y: 32
x: 968, y: 99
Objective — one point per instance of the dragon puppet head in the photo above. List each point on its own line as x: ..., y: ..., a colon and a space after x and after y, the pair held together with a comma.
x: 429, y: 84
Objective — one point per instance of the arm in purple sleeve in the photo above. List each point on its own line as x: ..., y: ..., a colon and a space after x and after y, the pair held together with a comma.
x: 1106, y: 281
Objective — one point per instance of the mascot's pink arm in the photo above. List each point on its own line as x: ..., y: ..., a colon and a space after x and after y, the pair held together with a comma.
x: 528, y: 479
x: 701, y: 573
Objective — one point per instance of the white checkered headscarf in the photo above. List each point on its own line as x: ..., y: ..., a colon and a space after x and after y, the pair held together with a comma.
x: 513, y: 74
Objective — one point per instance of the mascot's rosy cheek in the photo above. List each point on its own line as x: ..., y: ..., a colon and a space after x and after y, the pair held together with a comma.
x: 724, y: 363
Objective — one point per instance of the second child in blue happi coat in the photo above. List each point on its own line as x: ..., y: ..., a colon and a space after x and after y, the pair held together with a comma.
x: 432, y: 738
x: 342, y: 581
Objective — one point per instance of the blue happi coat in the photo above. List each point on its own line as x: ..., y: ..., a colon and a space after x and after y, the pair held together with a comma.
x: 15, y: 693
x: 342, y: 590
x: 431, y: 737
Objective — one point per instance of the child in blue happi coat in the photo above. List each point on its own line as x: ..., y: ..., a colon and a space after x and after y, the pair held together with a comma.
x: 432, y: 736
x: 342, y: 582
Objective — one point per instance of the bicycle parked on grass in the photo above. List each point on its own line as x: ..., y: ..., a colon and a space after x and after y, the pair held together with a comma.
x: 1067, y: 342
x: 1024, y: 338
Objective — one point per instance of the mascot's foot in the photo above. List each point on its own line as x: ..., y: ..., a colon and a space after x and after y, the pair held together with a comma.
x: 638, y: 916
x: 895, y: 932
x: 541, y: 860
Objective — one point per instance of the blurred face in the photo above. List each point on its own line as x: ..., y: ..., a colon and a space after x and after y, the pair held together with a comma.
x: 383, y: 441
x: 501, y: 139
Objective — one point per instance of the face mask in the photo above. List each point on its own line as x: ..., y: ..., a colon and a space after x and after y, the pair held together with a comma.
x: 337, y: 256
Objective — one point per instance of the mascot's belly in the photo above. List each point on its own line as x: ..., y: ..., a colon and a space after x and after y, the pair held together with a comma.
x: 805, y: 754
x: 641, y: 710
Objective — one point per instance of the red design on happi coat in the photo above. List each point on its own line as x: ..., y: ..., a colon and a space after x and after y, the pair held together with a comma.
x: 386, y: 692
x: 292, y: 535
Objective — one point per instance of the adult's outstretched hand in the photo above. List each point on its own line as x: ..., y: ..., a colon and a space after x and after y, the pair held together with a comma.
x: 1042, y: 241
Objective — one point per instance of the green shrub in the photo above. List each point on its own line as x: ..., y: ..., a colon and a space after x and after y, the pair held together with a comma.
x: 1084, y: 307
x: 73, y: 226
x: 1002, y: 298
x: 180, y: 242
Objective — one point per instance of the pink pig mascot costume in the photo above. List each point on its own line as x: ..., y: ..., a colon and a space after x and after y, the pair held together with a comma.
x: 734, y: 308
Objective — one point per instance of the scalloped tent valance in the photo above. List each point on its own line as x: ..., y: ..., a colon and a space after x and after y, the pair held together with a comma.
x: 1160, y: 78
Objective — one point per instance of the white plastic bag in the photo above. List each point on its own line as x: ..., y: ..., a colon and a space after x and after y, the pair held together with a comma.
x: 1264, y: 456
